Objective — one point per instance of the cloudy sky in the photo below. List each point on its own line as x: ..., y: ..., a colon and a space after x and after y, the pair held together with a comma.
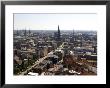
x: 68, y: 21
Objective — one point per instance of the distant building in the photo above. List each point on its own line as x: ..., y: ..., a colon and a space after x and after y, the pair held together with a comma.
x: 24, y: 46
x: 25, y: 33
x: 59, y: 38
x: 29, y: 33
x: 57, y: 35
x: 17, y: 33
x: 95, y: 49
x: 72, y: 38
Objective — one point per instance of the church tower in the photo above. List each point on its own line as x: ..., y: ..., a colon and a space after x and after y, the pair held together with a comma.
x: 29, y: 33
x: 25, y: 33
x: 72, y: 37
x: 58, y: 35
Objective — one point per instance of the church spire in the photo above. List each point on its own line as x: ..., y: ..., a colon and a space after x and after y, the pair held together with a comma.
x: 73, y: 35
x: 29, y: 32
x: 58, y: 33
x: 25, y: 33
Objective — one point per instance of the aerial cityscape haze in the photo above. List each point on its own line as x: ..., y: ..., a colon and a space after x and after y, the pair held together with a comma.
x: 55, y: 49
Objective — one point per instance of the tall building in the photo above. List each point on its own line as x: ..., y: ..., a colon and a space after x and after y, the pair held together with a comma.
x: 57, y: 35
x: 81, y: 40
x: 95, y: 49
x: 29, y: 33
x: 25, y: 33
x: 17, y: 33
x: 73, y: 37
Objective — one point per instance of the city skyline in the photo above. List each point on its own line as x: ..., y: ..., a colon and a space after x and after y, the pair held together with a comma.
x: 55, y: 53
x: 51, y: 21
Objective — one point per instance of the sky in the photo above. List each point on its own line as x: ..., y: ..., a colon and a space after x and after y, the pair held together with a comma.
x: 65, y: 21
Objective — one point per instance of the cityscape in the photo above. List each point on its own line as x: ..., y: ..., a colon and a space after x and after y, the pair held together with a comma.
x: 54, y: 52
